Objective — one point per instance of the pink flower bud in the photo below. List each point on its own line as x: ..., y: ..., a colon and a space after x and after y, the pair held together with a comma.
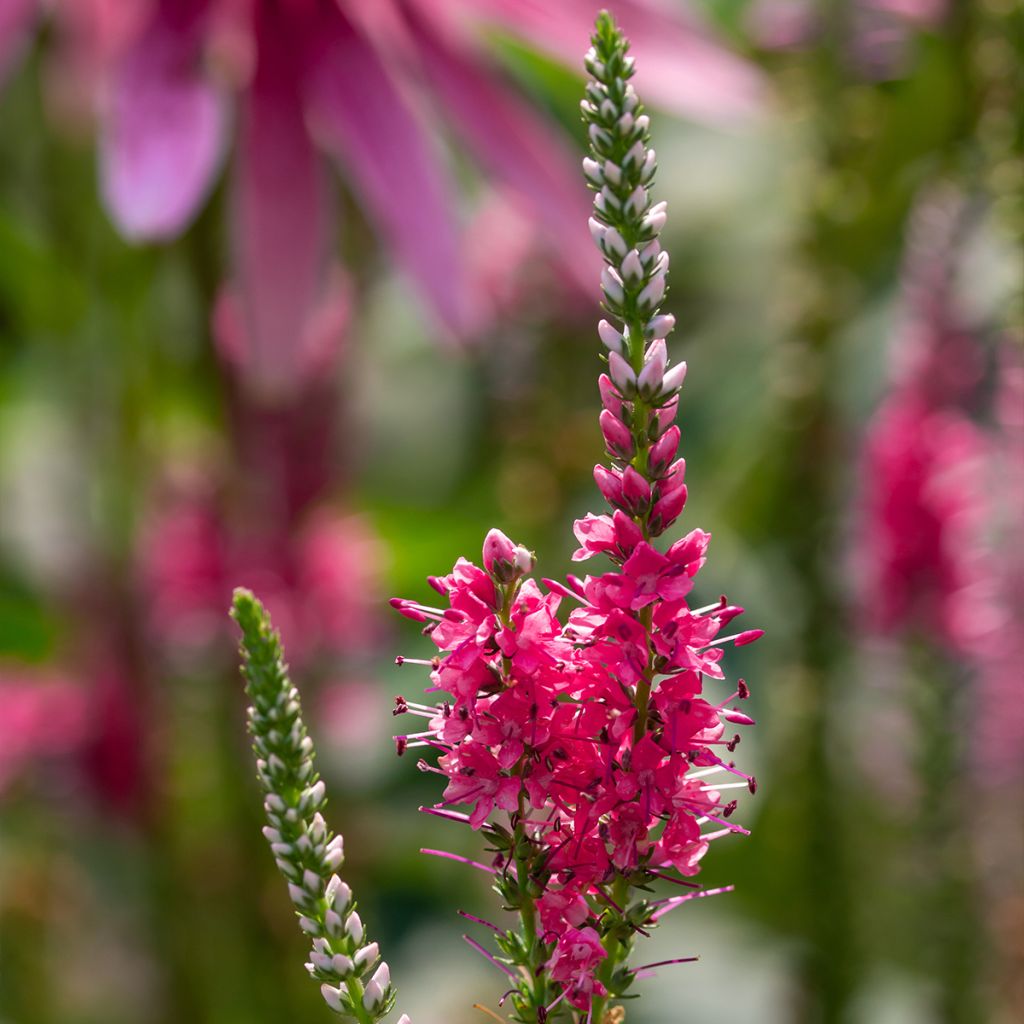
x: 673, y: 479
x: 498, y: 549
x: 674, y: 378
x: 655, y: 219
x: 616, y: 435
x: 660, y: 326
x: 524, y: 560
x: 636, y: 203
x: 612, y: 172
x: 597, y: 230
x: 635, y: 489
x: 614, y: 243
x: 622, y: 374
x: 627, y: 533
x: 609, y: 483
x: 649, y: 380
x: 663, y: 451
x: 668, y: 509
x: 592, y: 171
x: 610, y: 398
x: 666, y: 414
x: 737, y: 717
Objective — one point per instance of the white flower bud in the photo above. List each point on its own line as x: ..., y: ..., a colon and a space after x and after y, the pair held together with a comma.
x: 660, y: 326
x: 332, y: 997
x: 592, y: 171
x: 354, y: 927
x: 674, y: 378
x: 597, y: 230
x: 309, y: 926
x: 367, y: 955
x: 377, y: 987
x: 635, y: 154
x: 611, y: 338
x: 612, y: 172
x: 612, y: 285
x: 614, y: 243
x: 632, y: 268
x: 621, y: 373
x: 625, y: 124
x: 341, y: 965
x: 636, y: 203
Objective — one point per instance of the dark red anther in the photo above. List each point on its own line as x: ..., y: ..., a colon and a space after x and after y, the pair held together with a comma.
x: 733, y: 743
x: 401, y: 742
x: 752, y: 784
x: 401, y: 707
x: 742, y: 690
x: 729, y: 808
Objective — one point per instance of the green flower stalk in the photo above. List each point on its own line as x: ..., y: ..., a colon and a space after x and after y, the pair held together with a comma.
x: 354, y: 981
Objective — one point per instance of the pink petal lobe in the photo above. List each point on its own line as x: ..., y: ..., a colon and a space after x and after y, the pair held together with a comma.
x: 162, y: 131
x: 367, y: 121
x: 282, y: 218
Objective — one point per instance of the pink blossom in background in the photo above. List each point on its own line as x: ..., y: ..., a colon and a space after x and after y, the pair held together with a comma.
x: 1000, y: 650
x: 42, y: 716
x: 924, y: 459
x: 366, y: 83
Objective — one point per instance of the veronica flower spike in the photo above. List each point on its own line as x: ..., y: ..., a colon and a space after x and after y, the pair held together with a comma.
x: 584, y: 747
x: 355, y: 983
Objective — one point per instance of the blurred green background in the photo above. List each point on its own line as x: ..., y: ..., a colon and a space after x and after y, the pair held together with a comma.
x: 143, y: 473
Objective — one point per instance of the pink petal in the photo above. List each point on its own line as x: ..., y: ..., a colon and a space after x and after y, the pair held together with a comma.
x: 162, y: 131
x: 283, y: 218
x: 367, y: 121
x: 16, y: 17
x: 495, y: 123
x: 679, y: 65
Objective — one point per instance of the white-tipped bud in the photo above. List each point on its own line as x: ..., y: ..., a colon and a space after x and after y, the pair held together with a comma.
x: 612, y: 172
x: 610, y: 199
x: 612, y: 285
x: 338, y: 894
x: 643, y: 123
x: 280, y: 849
x: 318, y: 828
x: 650, y: 252
x: 321, y: 961
x: 272, y: 835
x: 311, y: 881
x: 608, y: 110
x: 592, y: 171
x: 599, y: 138
x: 286, y: 867
x: 649, y: 167
x: 367, y: 955
x: 610, y: 337
x: 626, y: 123
x: 354, y: 927
x: 632, y: 269
x: 404, y: 1019
x: 333, y: 924
x: 309, y: 926
x: 653, y: 293
x: 650, y: 377
x: 314, y: 796
x: 524, y: 560
x: 636, y: 203
x: 275, y: 764
x: 298, y: 895
x: 635, y: 156
x: 673, y: 380
x: 660, y: 326
x: 332, y: 997
x: 377, y: 988
x: 614, y: 243
x: 597, y: 230
x: 621, y: 373
x: 341, y: 965
x: 274, y: 803
x: 630, y: 99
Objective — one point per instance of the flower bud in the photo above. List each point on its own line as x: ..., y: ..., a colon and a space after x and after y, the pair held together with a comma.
x: 635, y: 490
x: 663, y: 451
x: 499, y: 553
x: 632, y: 268
x: 610, y: 398
x: 612, y: 285
x: 622, y: 375
x: 653, y: 292
x: 609, y: 483
x: 610, y: 337
x: 592, y: 171
x: 673, y: 380
x: 377, y: 988
x: 636, y: 203
x: 616, y: 435
x: 333, y: 997
x: 659, y: 326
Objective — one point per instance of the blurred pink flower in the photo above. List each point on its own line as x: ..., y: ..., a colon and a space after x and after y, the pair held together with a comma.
x: 353, y: 79
x: 1000, y: 650
x: 924, y: 458
x: 42, y: 715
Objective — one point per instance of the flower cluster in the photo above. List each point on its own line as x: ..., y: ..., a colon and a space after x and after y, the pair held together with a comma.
x: 306, y: 852
x: 587, y: 751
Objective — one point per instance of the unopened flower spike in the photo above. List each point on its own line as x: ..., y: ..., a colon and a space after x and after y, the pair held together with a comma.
x: 355, y: 983
x: 584, y: 748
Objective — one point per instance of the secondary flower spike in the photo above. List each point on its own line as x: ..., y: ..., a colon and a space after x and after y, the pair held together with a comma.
x: 354, y: 982
x: 584, y: 746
